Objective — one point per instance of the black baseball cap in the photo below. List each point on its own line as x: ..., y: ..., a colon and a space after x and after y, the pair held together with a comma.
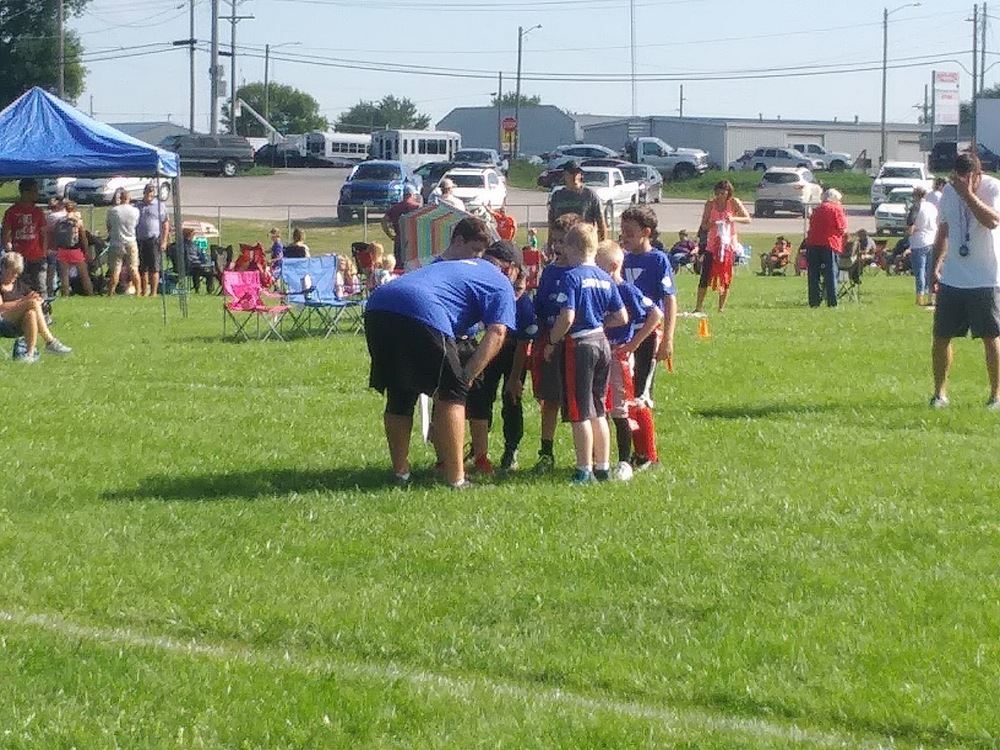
x: 572, y: 166
x: 505, y: 251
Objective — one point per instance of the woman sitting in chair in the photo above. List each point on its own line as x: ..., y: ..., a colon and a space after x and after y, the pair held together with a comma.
x: 21, y: 312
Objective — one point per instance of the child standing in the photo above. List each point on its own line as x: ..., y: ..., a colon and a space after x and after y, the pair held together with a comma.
x: 590, y: 300
x: 384, y: 267
x: 649, y: 270
x: 644, y: 317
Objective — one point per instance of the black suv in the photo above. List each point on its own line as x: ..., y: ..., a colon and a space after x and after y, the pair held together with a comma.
x: 942, y: 157
x: 211, y: 154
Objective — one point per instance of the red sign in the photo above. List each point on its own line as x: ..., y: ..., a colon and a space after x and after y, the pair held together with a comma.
x: 508, y: 124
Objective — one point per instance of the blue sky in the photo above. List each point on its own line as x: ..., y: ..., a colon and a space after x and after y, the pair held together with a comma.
x: 446, y: 53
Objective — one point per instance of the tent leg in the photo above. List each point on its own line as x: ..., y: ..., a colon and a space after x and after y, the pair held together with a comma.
x: 175, y: 191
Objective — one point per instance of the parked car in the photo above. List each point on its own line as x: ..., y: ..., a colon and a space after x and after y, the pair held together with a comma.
x: 554, y: 176
x: 774, y: 156
x: 894, y: 174
x: 891, y: 215
x: 101, y: 190
x: 374, y: 185
x: 212, y: 154
x: 478, y: 187
x: 579, y: 152
x: 612, y: 189
x: 943, y: 153
x: 674, y: 163
x: 786, y: 189
x: 482, y: 157
x: 54, y: 187
x: 832, y: 160
x: 431, y: 174
x: 649, y: 178
x: 742, y: 162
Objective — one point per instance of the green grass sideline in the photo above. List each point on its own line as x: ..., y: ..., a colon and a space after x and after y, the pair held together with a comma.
x: 201, y: 549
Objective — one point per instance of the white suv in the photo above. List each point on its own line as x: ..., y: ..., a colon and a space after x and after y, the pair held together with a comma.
x: 895, y: 174
x: 832, y: 160
x: 478, y: 187
x: 786, y: 189
x: 773, y: 156
x: 578, y: 152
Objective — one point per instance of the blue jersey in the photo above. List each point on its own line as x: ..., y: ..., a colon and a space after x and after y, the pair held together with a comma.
x: 526, y: 325
x: 547, y: 304
x: 450, y: 297
x: 651, y: 273
x: 637, y: 305
x: 592, y: 294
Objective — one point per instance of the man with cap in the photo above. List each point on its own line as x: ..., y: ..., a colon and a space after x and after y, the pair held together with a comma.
x: 25, y: 232
x: 445, y: 193
x: 390, y: 222
x: 152, y: 233
x: 411, y: 328
x: 576, y: 198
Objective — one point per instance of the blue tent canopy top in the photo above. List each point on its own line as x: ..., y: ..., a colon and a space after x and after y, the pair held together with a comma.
x: 42, y: 136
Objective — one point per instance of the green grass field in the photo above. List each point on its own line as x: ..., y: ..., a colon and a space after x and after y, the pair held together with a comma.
x: 201, y: 549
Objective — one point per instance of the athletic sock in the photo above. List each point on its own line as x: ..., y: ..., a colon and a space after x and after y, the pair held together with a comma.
x: 623, y: 438
x: 547, y: 446
x: 645, y: 436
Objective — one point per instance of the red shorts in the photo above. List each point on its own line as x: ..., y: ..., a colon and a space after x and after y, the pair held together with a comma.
x: 71, y: 256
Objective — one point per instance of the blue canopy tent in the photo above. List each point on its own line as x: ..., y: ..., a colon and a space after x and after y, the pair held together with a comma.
x: 43, y: 136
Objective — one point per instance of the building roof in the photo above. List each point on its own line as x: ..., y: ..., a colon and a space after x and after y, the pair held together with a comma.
x: 589, y: 120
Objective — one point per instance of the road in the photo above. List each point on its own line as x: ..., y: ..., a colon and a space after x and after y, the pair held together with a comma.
x: 310, y: 196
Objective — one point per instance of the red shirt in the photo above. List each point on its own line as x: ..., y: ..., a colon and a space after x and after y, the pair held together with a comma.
x: 26, y: 225
x: 827, y: 227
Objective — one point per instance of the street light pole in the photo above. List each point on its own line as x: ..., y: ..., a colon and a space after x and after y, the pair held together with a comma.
x: 267, y: 82
x: 521, y: 33
x: 885, y: 67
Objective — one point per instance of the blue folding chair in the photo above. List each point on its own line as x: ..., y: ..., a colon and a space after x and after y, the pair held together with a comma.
x: 297, y: 284
x: 336, y: 313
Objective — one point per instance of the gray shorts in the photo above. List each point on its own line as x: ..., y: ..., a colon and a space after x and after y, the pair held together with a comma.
x: 959, y: 311
x: 547, y: 377
x: 586, y: 371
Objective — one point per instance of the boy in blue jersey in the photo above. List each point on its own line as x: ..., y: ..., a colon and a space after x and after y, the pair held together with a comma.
x: 509, y: 365
x: 649, y: 269
x: 644, y: 317
x: 546, y: 374
x: 411, y: 326
x: 589, y: 301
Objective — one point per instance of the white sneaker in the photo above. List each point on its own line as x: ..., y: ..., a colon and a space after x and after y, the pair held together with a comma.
x: 623, y: 471
x: 939, y: 402
x: 57, y: 347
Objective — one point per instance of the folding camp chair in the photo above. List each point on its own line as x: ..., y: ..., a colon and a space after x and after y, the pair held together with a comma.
x: 364, y: 259
x: 848, y: 273
x: 336, y: 314
x: 244, y: 302
x: 221, y: 260
x: 297, y: 284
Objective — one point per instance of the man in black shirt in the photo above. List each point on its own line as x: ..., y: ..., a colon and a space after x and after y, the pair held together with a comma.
x: 575, y: 198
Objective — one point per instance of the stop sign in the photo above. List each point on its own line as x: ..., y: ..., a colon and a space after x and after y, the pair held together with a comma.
x: 508, y: 124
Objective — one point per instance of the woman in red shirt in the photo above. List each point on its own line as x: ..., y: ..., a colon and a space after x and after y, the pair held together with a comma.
x: 824, y: 243
x: 718, y: 220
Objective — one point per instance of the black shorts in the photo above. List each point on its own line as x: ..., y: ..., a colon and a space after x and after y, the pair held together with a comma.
x: 706, y: 270
x: 410, y: 358
x: 149, y: 255
x: 586, y: 369
x: 958, y: 311
x: 483, y: 393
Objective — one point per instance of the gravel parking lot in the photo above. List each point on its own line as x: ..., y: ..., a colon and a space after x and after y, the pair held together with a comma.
x: 311, y: 195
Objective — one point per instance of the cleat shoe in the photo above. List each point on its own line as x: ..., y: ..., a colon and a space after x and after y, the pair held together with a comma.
x: 57, y: 347
x: 641, y: 463
x: 483, y: 466
x: 939, y: 402
x: 465, y: 484
x: 582, y: 476
x: 509, y: 461
x: 402, y: 480
x: 993, y: 404
x: 545, y: 465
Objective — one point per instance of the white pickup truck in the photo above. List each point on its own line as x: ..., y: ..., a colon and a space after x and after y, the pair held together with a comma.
x: 672, y: 163
x: 613, y: 191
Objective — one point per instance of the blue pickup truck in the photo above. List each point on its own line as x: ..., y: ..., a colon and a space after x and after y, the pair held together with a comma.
x: 374, y: 185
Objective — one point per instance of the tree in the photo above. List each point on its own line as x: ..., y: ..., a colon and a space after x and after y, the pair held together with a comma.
x: 510, y: 100
x: 390, y: 112
x: 290, y: 110
x: 29, y: 38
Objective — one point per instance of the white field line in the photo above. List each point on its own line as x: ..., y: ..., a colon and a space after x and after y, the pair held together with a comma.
x: 675, y: 719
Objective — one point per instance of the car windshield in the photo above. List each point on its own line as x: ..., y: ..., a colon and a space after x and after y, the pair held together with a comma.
x: 595, y: 178
x: 901, y: 173
x: 901, y: 196
x: 780, y: 178
x: 467, y: 180
x: 376, y: 172
x: 473, y: 156
x: 634, y: 173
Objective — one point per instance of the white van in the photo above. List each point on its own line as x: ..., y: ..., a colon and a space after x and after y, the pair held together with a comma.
x: 415, y: 147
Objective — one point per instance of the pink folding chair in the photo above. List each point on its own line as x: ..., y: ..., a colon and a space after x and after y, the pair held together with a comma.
x: 244, y: 301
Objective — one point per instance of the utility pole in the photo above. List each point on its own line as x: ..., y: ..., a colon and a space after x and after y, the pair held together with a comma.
x: 975, y: 63
x: 885, y: 67
x: 233, y: 20
x: 933, y: 105
x: 191, y: 101
x: 982, y: 54
x: 517, y: 88
x: 61, y: 21
x: 631, y: 12
x: 680, y: 108
x: 500, y: 111
x: 213, y: 71
x: 267, y: 82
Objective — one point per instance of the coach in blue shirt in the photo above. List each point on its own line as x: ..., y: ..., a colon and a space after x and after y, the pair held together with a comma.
x: 411, y: 326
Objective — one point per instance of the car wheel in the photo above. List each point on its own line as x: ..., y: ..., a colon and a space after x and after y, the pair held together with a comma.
x: 659, y: 194
x: 837, y: 166
x: 344, y: 214
x: 683, y: 172
x: 759, y: 167
x: 229, y: 168
x: 164, y: 194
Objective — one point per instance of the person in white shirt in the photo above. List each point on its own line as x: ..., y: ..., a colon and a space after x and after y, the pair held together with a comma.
x: 123, y: 248
x: 967, y: 265
x: 934, y: 196
x: 922, y: 233
x: 445, y: 193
